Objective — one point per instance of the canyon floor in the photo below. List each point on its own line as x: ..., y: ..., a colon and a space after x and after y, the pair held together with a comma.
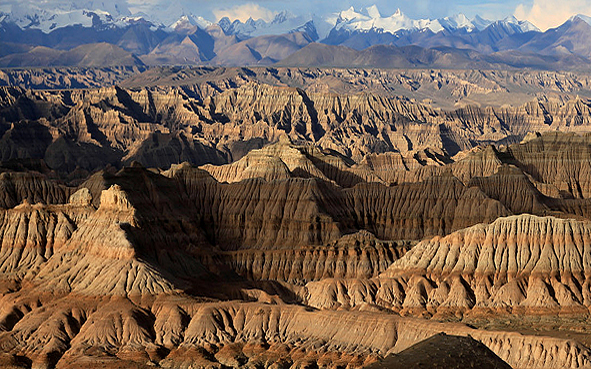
x: 294, y: 218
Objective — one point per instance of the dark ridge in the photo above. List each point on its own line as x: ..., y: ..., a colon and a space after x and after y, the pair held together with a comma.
x: 445, y: 352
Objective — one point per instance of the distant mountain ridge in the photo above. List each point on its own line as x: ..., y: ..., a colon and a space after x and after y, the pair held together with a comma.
x: 174, y: 36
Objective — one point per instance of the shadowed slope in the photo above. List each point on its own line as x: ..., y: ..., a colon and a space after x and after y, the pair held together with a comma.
x: 294, y: 212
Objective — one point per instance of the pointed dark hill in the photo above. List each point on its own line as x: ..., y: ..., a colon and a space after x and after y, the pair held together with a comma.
x: 444, y: 352
x: 262, y: 50
x: 140, y: 40
x: 573, y: 37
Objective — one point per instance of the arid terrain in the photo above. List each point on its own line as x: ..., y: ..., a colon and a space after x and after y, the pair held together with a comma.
x: 277, y: 217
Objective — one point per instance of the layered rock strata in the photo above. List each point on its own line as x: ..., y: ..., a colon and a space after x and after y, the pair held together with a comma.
x: 295, y: 212
x: 358, y: 255
x: 522, y: 264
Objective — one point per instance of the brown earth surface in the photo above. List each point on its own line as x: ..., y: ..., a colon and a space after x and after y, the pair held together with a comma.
x: 154, y: 227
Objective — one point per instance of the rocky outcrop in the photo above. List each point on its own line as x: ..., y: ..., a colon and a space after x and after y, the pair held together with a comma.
x: 75, y: 247
x: 513, y: 189
x: 31, y: 234
x: 294, y: 255
x: 203, y: 122
x: 102, y: 258
x: 286, y: 160
x: 112, y: 254
x: 443, y: 86
x: 160, y: 150
x: 126, y: 278
x: 178, y: 331
x: 272, y: 325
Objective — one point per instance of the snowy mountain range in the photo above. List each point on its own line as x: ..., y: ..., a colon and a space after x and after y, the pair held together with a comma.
x: 370, y: 19
x: 174, y: 16
x: 172, y: 35
x: 97, y: 13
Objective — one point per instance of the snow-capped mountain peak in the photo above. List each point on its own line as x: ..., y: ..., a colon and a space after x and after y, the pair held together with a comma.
x: 173, y: 17
x: 516, y: 25
x: 458, y: 21
x: 371, y: 19
x: 582, y: 17
x: 47, y: 18
x: 282, y: 17
x: 283, y: 22
x: 480, y: 23
x: 349, y: 15
x: 187, y: 22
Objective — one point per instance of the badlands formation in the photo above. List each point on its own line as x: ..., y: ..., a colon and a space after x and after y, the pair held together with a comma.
x: 245, y: 218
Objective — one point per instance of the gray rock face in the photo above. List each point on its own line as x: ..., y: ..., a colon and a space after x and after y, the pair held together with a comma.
x: 207, y: 121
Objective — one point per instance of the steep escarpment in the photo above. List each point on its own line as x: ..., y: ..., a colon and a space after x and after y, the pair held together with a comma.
x: 30, y: 187
x: 69, y: 261
x: 559, y: 160
x: 30, y: 235
x: 513, y: 189
x: 135, y: 200
x: 546, y: 239
x: 295, y: 212
x: 97, y: 251
x: 394, y: 168
x: 259, y: 214
x: 478, y: 162
x: 124, y: 278
x: 436, y: 206
x: 90, y: 129
x: 74, y: 247
x: 304, y: 229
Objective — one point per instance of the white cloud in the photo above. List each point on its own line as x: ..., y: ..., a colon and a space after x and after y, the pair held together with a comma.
x: 552, y: 13
x: 245, y: 11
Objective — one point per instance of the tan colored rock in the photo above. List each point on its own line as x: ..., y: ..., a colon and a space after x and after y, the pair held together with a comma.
x: 538, y: 264
x: 82, y: 197
x: 358, y: 255
x: 561, y: 160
